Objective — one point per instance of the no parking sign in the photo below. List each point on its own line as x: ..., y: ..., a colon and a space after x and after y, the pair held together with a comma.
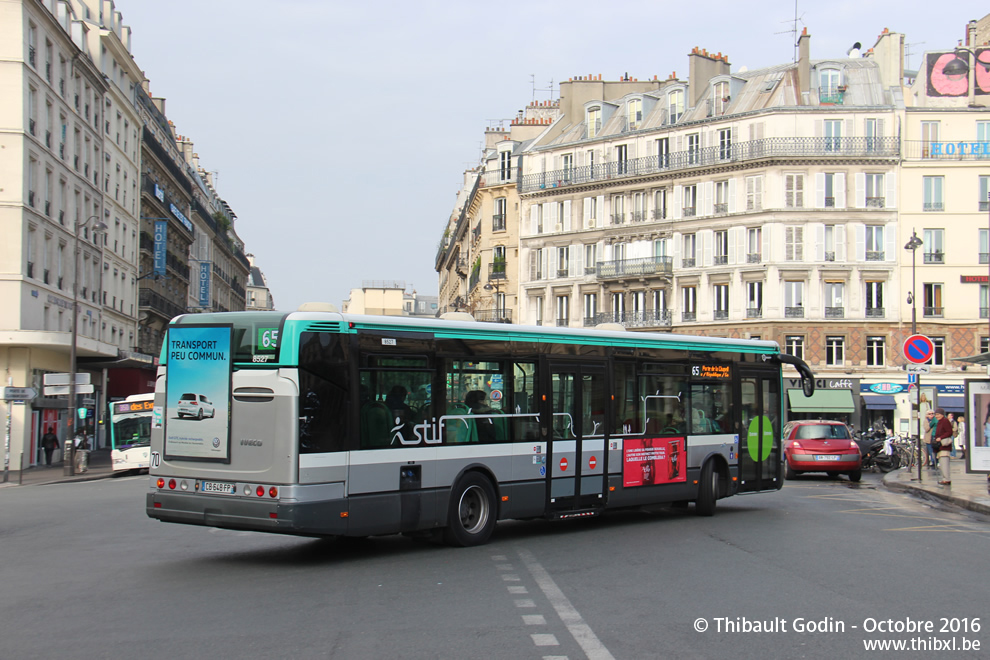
x: 918, y: 349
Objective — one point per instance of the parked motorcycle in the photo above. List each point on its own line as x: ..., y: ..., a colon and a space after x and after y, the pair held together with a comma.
x: 878, y: 451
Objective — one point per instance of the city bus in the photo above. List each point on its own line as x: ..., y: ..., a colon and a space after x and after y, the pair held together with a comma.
x: 130, y: 432
x: 329, y: 424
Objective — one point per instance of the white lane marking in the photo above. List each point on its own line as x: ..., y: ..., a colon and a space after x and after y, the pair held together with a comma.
x: 499, y: 557
x: 503, y: 567
x: 544, y: 639
x: 518, y: 590
x: 510, y: 577
x: 525, y: 602
x: 581, y: 631
x: 534, y: 619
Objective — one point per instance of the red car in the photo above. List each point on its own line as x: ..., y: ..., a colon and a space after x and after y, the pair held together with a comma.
x: 821, y: 445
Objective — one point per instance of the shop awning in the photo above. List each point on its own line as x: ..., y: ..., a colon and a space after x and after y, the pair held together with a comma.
x: 879, y: 402
x: 826, y: 401
x: 952, y: 404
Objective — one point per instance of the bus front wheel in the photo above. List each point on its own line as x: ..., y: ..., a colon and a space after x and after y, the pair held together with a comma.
x: 707, y: 490
x: 472, y: 511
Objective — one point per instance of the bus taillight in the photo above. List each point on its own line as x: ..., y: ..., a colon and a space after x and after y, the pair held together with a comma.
x: 161, y: 482
x: 273, y: 492
x: 171, y: 484
x: 260, y: 491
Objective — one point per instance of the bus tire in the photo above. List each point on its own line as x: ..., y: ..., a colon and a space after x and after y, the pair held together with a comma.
x: 472, y: 511
x: 707, y: 490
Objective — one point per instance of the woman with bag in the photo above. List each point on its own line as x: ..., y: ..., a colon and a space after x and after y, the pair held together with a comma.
x: 943, y: 443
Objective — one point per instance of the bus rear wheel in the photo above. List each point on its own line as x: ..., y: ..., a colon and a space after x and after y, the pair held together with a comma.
x: 471, y: 514
x: 707, y: 490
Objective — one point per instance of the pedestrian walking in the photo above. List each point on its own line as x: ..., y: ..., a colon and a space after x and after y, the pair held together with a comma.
x: 82, y: 452
x: 960, y: 439
x: 928, y: 433
x: 49, y: 442
x: 955, y: 431
x: 943, y: 442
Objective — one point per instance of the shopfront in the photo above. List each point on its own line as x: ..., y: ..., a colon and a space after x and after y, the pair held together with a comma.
x: 833, y: 399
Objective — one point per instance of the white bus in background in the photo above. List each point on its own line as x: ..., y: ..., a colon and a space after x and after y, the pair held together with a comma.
x: 130, y: 432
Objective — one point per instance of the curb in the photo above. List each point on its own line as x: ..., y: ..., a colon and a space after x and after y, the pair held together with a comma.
x: 963, y: 502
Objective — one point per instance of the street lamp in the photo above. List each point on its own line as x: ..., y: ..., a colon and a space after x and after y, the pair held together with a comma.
x: 913, y: 244
x: 493, y: 285
x: 99, y: 227
x: 959, y: 68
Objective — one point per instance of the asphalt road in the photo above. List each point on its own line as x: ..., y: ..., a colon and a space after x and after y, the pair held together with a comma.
x: 85, y: 574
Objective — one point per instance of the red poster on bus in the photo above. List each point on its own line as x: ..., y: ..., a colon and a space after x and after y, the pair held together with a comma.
x: 649, y: 461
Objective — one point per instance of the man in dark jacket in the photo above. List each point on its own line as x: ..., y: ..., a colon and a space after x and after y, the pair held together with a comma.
x: 49, y: 442
x: 943, y: 444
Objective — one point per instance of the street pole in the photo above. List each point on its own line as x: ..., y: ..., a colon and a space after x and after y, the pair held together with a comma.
x: 913, y: 244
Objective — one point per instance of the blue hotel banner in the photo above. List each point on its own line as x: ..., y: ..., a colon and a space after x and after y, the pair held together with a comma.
x: 161, y: 241
x: 204, y: 283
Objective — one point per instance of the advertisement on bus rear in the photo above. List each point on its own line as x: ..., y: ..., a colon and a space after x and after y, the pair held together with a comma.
x: 197, y: 393
x: 649, y: 461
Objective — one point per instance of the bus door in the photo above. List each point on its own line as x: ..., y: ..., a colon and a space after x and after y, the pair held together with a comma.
x: 759, y: 440
x: 574, y: 417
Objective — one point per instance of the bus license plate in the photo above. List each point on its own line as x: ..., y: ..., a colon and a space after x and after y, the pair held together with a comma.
x: 826, y: 457
x: 217, y: 487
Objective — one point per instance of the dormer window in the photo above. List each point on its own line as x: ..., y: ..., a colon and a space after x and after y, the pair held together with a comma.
x: 720, y: 97
x: 675, y: 105
x: 635, y: 113
x: 594, y: 121
x: 828, y: 82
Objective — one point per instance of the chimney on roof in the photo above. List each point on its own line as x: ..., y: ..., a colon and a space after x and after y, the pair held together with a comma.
x: 804, y: 63
x: 702, y: 67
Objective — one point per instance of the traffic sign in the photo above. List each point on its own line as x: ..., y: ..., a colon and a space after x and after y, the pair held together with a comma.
x: 919, y: 369
x: 912, y: 378
x: 918, y: 349
x: 19, y: 393
x: 58, y: 390
x: 63, y: 379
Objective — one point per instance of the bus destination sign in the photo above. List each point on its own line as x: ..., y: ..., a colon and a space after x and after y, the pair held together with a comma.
x: 719, y: 371
x: 133, y: 406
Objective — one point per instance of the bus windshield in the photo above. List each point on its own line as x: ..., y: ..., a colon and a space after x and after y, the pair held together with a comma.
x: 131, y: 431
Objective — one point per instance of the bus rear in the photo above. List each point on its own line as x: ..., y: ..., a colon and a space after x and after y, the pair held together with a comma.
x: 130, y: 432
x: 225, y: 462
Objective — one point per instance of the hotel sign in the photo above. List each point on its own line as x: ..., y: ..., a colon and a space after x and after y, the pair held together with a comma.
x: 973, y: 279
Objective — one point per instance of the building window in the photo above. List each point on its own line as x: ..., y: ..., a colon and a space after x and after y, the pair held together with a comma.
x: 929, y: 134
x: 984, y: 300
x: 635, y: 113
x: 618, y: 306
x: 689, y: 303
x: 567, y: 162
x: 675, y: 105
x: 754, y: 300
x: 932, y: 300
x: 618, y: 209
x: 721, y: 256
x: 833, y: 300
x: 721, y: 197
x: 537, y: 264
x: 694, y: 148
x: 828, y: 82
x: 794, y: 345
x: 794, y: 299
x: 938, y: 354
x: 834, y: 351
x: 660, y: 303
x: 754, y: 245
x: 793, y: 243
x: 688, y: 259
x: 721, y: 293
x: 754, y: 193
x: 875, y: 351
x: 932, y: 187
x: 639, y: 207
x: 563, y: 305
x: 874, y: 300
x: 590, y: 212
x: 874, y: 133
x: 660, y: 204
x: 690, y: 207
x: 663, y: 153
x: 833, y: 134
x: 594, y: 121
x: 622, y: 159
x: 590, y: 308
x: 984, y: 198
x: 794, y: 191
x: 874, y: 243
x: 498, y: 218
x: 590, y: 257
x: 875, y: 194
x: 725, y: 143
x: 563, y: 261
x: 720, y: 95
x: 934, y: 246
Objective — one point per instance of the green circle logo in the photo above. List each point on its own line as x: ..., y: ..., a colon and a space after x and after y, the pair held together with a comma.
x: 756, y: 452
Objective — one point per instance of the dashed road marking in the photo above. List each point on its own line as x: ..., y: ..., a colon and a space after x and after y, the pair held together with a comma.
x: 545, y: 639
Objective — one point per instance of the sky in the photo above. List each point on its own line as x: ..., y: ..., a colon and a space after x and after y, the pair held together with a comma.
x: 339, y: 132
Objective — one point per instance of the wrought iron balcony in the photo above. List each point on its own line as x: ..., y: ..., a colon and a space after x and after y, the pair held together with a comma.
x: 830, y: 202
x: 754, y: 313
x: 498, y: 222
x: 984, y: 205
x: 798, y: 147
x: 933, y: 312
x: 563, y: 323
x: 932, y: 207
x: 753, y: 258
x: 618, y: 218
x: 875, y: 312
x: 876, y: 202
x: 984, y: 258
x: 794, y: 312
x: 688, y: 262
x: 563, y: 272
x: 934, y: 257
x: 874, y: 255
x: 688, y: 212
x: 720, y: 314
x: 493, y: 315
x: 720, y: 259
x: 984, y: 313
x: 638, y: 216
x: 721, y: 208
x: 969, y: 150
x: 835, y: 312
x: 830, y: 256
x: 155, y: 302
x: 654, y: 318
x: 689, y: 317
x: 644, y: 266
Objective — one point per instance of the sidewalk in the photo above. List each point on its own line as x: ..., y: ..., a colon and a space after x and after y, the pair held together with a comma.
x: 99, y: 468
x: 969, y: 491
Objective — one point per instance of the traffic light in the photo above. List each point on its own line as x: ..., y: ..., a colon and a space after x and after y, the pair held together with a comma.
x: 81, y: 413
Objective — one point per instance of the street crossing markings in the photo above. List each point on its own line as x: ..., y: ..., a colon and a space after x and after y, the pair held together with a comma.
x: 582, y: 633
